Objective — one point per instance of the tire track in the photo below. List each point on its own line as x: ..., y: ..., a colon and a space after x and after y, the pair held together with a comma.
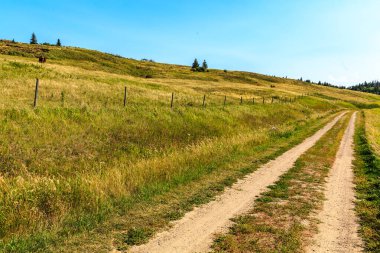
x: 195, y: 231
x: 338, y: 230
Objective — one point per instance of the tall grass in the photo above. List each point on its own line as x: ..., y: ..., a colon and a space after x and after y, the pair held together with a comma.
x: 367, y: 172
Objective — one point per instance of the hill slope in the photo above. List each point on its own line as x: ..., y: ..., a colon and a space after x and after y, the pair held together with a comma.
x: 81, y: 159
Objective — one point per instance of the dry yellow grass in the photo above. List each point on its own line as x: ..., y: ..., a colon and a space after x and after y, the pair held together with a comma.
x: 372, y: 126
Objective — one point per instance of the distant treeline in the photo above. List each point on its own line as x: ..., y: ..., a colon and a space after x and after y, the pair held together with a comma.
x: 330, y: 85
x: 33, y: 41
x: 322, y: 83
x: 371, y: 87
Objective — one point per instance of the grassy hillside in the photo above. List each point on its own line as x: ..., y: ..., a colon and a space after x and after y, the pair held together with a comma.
x: 81, y: 161
x: 367, y: 169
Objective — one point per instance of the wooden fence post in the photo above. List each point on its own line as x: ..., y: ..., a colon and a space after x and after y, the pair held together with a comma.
x: 253, y: 100
x: 204, y: 101
x: 125, y: 96
x: 241, y: 100
x: 36, y: 94
x: 225, y: 100
x: 272, y: 100
x: 263, y: 100
x: 171, y: 102
x: 62, y: 98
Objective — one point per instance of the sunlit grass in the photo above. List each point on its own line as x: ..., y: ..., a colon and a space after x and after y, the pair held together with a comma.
x: 372, y: 126
x: 367, y: 179
x: 68, y: 164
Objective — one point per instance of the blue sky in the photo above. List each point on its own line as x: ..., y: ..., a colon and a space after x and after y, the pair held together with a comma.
x: 329, y: 40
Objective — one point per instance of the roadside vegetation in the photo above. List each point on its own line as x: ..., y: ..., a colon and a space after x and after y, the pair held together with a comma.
x: 81, y: 159
x: 367, y: 170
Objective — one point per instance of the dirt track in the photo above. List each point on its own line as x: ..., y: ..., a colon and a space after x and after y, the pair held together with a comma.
x: 338, y: 230
x: 194, y: 232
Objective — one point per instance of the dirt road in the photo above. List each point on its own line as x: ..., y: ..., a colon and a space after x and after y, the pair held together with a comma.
x: 194, y: 232
x: 338, y: 230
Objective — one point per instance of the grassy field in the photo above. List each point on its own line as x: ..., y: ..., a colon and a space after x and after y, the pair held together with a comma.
x: 367, y: 169
x: 82, y: 162
x: 372, y: 127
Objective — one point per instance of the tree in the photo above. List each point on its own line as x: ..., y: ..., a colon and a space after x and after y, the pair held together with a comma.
x: 204, y: 65
x: 13, y: 41
x: 33, y: 39
x: 195, y: 65
x: 58, y: 43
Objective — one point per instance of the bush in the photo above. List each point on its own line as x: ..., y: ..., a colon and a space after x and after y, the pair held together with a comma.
x: 199, y: 69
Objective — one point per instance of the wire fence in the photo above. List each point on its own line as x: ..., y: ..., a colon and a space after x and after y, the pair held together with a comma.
x: 222, y: 100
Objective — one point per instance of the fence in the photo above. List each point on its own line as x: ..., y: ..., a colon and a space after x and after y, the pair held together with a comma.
x: 225, y: 102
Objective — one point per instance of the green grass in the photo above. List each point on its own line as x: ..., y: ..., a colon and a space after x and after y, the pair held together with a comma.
x: 69, y: 166
x: 193, y: 171
x: 367, y: 171
x: 137, y: 236
x: 282, y: 218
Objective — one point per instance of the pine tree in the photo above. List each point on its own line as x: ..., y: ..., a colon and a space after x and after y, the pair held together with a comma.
x: 58, y: 43
x: 195, y: 65
x: 204, y: 65
x: 13, y: 41
x: 33, y: 39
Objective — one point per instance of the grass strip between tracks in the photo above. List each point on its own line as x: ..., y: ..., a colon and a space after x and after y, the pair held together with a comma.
x: 283, y: 218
